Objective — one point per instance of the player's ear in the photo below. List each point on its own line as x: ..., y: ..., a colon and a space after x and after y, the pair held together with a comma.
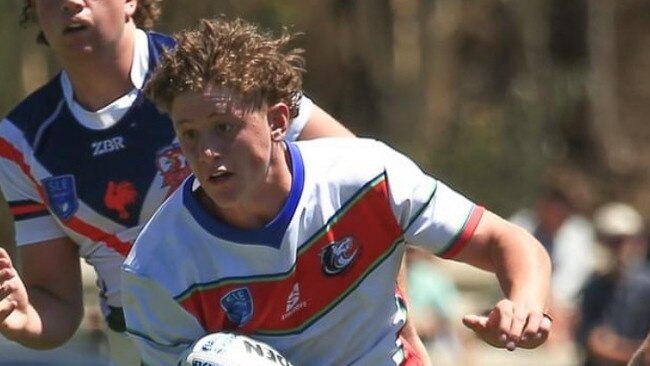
x: 129, y: 8
x: 278, y: 118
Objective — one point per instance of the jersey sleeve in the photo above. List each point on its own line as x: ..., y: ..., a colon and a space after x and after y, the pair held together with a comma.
x: 33, y: 221
x: 431, y: 214
x: 297, y: 124
x: 163, y: 332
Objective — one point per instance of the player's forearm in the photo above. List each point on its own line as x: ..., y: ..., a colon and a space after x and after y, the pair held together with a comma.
x: 47, y: 322
x: 321, y: 124
x: 523, y: 268
x: 519, y: 261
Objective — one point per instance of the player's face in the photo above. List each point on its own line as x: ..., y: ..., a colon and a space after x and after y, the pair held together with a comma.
x: 72, y: 27
x: 232, y: 151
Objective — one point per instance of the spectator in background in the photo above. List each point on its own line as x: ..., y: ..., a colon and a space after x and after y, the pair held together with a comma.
x: 615, y: 307
x: 642, y: 355
x: 568, y: 237
x: 433, y: 307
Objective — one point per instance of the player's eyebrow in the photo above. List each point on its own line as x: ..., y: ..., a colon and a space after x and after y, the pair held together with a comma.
x: 214, y: 114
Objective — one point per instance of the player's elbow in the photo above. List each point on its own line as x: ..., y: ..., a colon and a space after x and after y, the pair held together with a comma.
x: 59, y: 329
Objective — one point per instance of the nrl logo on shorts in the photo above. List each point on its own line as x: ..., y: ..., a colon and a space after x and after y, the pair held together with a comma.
x: 238, y: 305
x: 61, y: 195
x: 339, y: 255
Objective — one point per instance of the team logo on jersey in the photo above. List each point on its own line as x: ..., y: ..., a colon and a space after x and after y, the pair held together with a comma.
x: 120, y: 195
x: 238, y: 305
x: 339, y: 255
x: 172, y: 166
x: 61, y: 195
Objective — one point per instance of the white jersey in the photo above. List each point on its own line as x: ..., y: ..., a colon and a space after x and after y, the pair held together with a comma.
x: 96, y: 177
x: 318, y: 282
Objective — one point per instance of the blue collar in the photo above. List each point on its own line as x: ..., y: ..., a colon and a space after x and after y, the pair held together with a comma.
x: 270, y: 234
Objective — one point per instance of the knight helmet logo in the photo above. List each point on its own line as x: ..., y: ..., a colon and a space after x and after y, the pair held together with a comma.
x: 238, y: 305
x: 339, y: 255
x: 172, y: 166
x: 119, y: 196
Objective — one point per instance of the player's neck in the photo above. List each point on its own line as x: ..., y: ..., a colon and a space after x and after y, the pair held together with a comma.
x: 263, y: 205
x: 100, y: 78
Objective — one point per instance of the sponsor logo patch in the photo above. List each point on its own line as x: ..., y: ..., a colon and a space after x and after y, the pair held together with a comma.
x: 293, y: 302
x: 107, y: 146
x: 61, y: 194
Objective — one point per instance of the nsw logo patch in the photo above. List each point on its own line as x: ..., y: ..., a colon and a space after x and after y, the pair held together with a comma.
x: 61, y: 195
x: 238, y: 305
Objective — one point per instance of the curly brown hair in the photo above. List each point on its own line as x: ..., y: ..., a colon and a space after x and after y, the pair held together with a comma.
x: 145, y: 16
x: 233, y: 54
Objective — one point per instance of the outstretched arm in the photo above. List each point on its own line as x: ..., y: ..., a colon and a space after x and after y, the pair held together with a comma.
x: 43, y: 309
x: 523, y: 269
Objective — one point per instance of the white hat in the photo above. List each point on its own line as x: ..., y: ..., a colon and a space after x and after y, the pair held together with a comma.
x: 618, y: 218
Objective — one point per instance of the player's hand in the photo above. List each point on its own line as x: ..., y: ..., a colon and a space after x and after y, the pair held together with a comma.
x: 510, y: 325
x: 13, y: 295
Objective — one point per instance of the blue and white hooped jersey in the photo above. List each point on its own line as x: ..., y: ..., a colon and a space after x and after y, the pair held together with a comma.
x: 96, y: 177
x: 318, y: 282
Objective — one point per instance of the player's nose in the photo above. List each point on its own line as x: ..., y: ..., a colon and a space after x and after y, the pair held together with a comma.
x: 71, y: 7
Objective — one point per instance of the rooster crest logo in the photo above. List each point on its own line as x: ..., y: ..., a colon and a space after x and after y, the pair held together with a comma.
x: 120, y: 195
x: 172, y: 166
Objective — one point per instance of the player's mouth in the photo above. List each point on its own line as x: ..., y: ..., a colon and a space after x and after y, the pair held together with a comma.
x: 75, y: 28
x: 220, y: 176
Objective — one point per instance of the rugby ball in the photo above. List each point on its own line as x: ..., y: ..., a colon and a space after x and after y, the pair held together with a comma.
x: 228, y: 349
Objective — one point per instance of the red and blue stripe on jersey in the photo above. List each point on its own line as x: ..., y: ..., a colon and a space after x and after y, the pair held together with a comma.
x: 369, y: 207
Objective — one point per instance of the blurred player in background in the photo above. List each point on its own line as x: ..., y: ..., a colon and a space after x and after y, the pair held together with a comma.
x: 615, y: 303
x: 84, y: 163
x: 642, y: 355
x: 298, y: 244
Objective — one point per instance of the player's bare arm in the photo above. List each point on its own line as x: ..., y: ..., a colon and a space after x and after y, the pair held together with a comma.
x: 523, y: 269
x: 43, y: 310
x: 321, y: 124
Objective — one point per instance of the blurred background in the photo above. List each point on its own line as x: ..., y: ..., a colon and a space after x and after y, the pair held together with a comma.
x: 533, y: 108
